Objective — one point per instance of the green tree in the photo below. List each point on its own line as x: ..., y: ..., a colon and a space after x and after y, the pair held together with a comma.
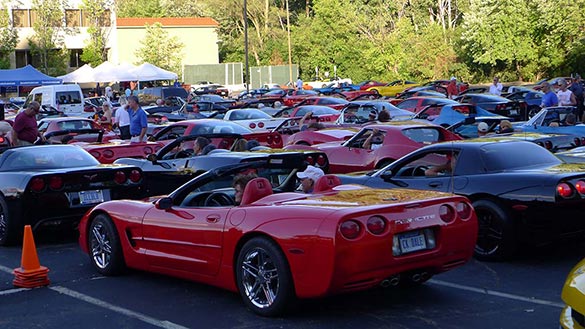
x: 95, y: 51
x: 159, y: 49
x: 46, y: 43
x: 498, y: 35
x: 8, y: 39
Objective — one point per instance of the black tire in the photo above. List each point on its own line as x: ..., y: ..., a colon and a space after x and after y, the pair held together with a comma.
x: 105, y: 251
x: 496, y: 237
x: 279, y: 283
x: 8, y: 227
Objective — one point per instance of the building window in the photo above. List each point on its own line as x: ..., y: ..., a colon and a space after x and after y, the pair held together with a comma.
x: 20, y: 18
x: 33, y: 17
x: 73, y: 17
x: 23, y: 58
x: 104, y: 21
x: 75, y: 58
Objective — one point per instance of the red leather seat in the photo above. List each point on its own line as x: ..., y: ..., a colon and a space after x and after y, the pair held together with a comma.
x: 326, y: 183
x: 255, y: 190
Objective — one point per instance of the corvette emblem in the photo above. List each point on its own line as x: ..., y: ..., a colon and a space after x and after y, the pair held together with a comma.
x: 90, y: 177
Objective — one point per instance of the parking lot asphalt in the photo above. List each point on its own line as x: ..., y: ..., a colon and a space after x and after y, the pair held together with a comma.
x: 523, y: 293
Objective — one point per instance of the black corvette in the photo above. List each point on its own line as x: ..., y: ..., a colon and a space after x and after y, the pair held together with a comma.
x: 175, y: 164
x: 521, y: 192
x: 51, y: 185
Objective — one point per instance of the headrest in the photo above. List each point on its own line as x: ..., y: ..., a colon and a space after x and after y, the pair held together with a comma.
x: 255, y: 190
x: 326, y: 183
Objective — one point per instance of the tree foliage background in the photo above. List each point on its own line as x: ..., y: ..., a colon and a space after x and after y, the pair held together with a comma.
x: 389, y: 39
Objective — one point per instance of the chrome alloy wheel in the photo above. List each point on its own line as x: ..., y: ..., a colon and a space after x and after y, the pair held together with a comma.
x: 260, y: 278
x: 101, y: 249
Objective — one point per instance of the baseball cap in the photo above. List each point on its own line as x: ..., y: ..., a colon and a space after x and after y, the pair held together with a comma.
x: 483, y: 127
x: 453, y: 78
x: 311, y: 172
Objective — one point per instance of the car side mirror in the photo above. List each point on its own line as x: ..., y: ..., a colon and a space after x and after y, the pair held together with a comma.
x: 164, y: 203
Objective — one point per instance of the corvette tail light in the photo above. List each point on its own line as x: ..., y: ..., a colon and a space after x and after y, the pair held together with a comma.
x: 2, y: 139
x: 577, y: 141
x: 108, y: 154
x: 135, y: 176
x: 548, y: 145
x: 147, y: 150
x: 321, y: 161
x: 582, y: 140
x: 376, y: 225
x: 252, y: 125
x: 95, y: 154
x: 310, y: 160
x: 350, y: 229
x: 56, y: 183
x: 564, y: 190
x: 463, y: 210
x: 580, y: 187
x: 37, y: 184
x: 260, y: 124
x: 446, y: 213
x: 120, y: 177
x: 277, y: 139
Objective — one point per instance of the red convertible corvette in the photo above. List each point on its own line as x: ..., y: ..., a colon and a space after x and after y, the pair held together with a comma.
x: 388, y: 143
x: 278, y: 245
x: 108, y: 153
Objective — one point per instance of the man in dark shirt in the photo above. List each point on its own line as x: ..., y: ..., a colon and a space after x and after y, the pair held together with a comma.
x: 25, y: 131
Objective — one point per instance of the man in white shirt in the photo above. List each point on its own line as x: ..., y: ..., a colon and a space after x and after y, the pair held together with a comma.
x: 122, y: 120
x: 496, y: 87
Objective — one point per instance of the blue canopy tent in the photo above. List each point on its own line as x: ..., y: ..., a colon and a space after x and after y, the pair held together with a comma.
x: 26, y: 76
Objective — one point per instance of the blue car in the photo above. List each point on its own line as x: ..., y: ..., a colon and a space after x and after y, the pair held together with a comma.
x: 454, y: 113
x: 551, y: 120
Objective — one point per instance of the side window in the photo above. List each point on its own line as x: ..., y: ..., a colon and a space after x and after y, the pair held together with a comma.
x: 38, y: 98
x: 68, y: 97
x: 422, y: 135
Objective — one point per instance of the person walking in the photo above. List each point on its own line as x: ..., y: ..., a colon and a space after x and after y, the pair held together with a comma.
x: 299, y: 84
x: 496, y: 87
x: 122, y: 119
x: 549, y: 98
x: 452, y: 90
x: 25, y: 130
x: 138, y: 120
x: 577, y: 89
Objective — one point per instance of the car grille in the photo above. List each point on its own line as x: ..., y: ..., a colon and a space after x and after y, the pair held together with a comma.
x: 578, y: 317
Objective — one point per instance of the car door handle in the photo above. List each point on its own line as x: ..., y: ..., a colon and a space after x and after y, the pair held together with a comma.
x: 435, y: 184
x: 212, y: 218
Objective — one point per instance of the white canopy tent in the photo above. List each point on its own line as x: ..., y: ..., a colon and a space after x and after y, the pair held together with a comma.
x: 149, y: 72
x: 108, y: 72
x: 83, y: 74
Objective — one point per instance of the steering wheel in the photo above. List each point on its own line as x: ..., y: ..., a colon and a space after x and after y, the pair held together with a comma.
x: 218, y: 199
x: 419, y: 170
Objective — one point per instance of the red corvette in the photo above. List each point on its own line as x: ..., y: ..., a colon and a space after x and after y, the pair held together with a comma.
x: 333, y: 102
x: 392, y: 142
x: 274, y: 247
x: 70, y: 126
x: 107, y: 153
x: 311, y: 137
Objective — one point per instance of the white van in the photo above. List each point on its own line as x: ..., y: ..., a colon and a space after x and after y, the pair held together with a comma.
x: 65, y: 98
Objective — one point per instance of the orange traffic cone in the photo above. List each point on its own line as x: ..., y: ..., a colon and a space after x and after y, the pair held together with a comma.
x: 30, y: 274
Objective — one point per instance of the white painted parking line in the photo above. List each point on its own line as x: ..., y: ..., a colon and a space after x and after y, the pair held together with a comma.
x: 6, y: 269
x: 117, y: 309
x: 497, y: 293
x: 12, y: 291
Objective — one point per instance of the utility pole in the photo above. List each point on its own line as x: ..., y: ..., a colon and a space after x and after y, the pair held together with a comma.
x: 247, y: 74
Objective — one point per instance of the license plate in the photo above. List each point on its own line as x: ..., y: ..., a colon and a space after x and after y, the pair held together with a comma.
x: 513, y: 112
x: 410, y: 242
x: 91, y: 197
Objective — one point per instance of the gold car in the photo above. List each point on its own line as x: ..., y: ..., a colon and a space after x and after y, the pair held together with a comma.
x: 573, y: 315
x: 394, y: 87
